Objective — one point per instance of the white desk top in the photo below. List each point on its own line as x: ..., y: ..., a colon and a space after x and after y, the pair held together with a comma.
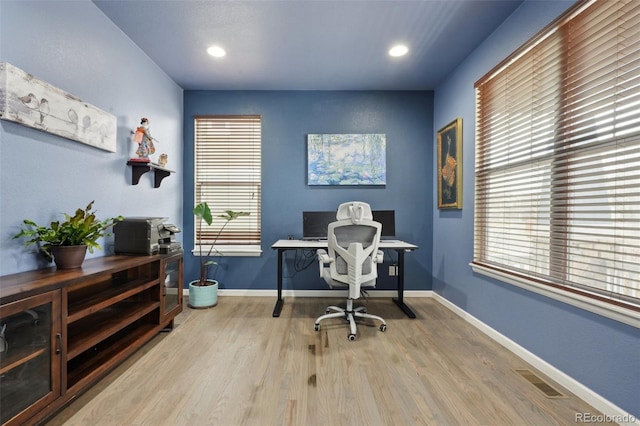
x: 311, y: 244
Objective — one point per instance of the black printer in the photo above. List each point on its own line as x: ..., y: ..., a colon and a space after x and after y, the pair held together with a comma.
x: 145, y: 235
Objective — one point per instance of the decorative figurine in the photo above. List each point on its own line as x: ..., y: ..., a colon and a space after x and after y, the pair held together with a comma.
x: 162, y: 160
x: 143, y: 138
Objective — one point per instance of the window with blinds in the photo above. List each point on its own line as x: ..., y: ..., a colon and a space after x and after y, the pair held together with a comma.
x: 557, y: 194
x: 228, y: 177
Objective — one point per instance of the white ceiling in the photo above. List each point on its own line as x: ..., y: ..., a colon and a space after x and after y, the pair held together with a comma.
x: 307, y: 44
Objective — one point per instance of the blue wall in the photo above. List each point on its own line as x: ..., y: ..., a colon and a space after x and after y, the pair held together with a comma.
x: 600, y: 353
x: 75, y: 47
x: 287, y: 117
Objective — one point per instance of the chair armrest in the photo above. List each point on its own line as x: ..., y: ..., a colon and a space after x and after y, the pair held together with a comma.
x: 323, y: 259
x: 379, y: 257
x: 322, y: 255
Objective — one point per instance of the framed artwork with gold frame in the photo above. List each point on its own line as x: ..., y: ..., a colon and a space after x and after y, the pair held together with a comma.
x: 450, y: 165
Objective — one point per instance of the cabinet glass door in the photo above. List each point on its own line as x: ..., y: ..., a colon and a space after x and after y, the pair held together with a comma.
x: 172, y: 291
x: 29, y: 344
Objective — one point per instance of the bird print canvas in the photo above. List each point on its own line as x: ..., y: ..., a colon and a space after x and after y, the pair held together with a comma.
x: 35, y: 103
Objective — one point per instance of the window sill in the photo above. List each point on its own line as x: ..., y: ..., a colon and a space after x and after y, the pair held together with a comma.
x: 231, y: 251
x: 608, y: 310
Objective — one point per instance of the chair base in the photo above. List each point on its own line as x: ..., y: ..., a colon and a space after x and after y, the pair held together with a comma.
x: 350, y: 314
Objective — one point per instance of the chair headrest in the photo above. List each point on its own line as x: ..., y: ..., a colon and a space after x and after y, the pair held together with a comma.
x: 357, y: 211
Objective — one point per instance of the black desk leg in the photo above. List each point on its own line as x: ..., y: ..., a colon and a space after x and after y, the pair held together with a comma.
x: 400, y: 299
x: 280, y: 301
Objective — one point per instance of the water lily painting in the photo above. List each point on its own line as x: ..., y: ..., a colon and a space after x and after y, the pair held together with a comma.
x: 347, y: 159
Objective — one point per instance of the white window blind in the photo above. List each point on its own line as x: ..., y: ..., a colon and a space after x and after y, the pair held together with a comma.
x: 557, y: 196
x: 228, y: 176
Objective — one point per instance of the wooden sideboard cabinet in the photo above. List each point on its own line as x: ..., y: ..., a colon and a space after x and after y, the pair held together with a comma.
x: 61, y: 331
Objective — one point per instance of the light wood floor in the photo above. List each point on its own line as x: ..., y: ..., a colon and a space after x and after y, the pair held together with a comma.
x: 237, y: 365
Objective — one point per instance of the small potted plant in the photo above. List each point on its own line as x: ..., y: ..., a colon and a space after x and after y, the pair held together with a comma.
x: 203, y: 292
x: 66, y: 242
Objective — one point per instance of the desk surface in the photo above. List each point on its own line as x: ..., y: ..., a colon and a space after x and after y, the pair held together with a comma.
x: 300, y: 244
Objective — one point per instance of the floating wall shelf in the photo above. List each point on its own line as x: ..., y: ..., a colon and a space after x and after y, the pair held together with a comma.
x: 139, y: 168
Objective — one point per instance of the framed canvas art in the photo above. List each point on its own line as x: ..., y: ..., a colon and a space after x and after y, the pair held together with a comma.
x: 346, y: 159
x: 450, y: 165
x: 35, y: 103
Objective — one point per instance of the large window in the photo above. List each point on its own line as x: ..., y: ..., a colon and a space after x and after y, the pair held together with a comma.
x: 228, y: 177
x: 558, y: 161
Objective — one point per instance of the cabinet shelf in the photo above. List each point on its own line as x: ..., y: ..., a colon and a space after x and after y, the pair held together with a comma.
x: 104, y: 323
x: 138, y: 168
x: 87, y: 369
x: 20, y: 357
x: 81, y: 306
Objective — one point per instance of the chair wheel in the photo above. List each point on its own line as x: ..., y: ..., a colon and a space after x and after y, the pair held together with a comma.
x: 351, y: 337
x: 383, y: 327
x: 317, y: 327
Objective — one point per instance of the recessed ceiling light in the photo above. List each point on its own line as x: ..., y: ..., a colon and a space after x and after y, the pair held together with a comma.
x: 216, y: 51
x: 398, y: 50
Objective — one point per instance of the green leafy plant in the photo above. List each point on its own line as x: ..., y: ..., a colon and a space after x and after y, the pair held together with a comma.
x: 80, y: 229
x: 203, y: 213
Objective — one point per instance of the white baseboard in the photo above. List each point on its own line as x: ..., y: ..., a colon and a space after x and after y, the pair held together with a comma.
x: 315, y: 293
x: 611, y: 411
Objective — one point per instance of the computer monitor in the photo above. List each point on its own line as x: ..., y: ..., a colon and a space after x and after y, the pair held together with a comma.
x: 388, y: 220
x: 315, y: 223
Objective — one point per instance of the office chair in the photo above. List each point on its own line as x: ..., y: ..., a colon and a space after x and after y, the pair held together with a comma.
x: 351, y: 260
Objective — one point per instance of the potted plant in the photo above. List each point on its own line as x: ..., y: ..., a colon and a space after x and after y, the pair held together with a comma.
x: 66, y: 242
x: 203, y: 292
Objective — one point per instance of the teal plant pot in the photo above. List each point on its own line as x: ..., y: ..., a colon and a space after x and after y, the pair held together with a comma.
x: 201, y: 297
